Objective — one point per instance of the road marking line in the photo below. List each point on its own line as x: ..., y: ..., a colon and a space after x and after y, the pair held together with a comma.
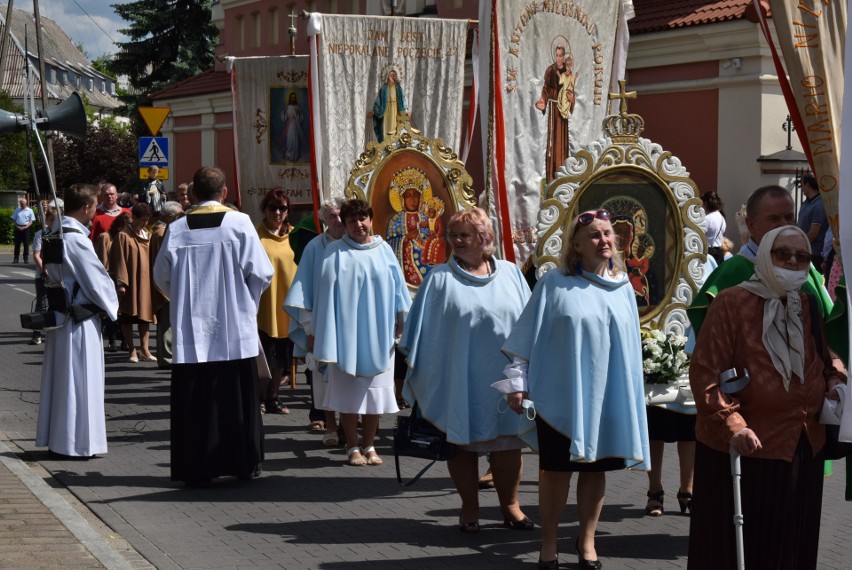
x: 30, y: 293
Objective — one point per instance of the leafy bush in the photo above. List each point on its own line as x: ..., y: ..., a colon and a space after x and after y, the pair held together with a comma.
x: 7, y: 226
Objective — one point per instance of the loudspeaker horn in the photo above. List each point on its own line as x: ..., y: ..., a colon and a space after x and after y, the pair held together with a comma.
x: 68, y: 117
x: 11, y: 122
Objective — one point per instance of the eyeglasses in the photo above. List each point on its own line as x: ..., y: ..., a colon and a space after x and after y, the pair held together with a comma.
x: 588, y: 217
x: 784, y: 255
x: 273, y: 208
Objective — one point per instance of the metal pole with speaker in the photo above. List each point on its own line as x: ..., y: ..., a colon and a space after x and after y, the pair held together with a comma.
x: 69, y: 117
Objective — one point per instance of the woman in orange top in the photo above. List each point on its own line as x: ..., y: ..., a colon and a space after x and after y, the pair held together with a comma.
x: 763, y: 325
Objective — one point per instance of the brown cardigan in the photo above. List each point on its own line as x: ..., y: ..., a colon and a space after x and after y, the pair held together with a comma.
x: 731, y: 337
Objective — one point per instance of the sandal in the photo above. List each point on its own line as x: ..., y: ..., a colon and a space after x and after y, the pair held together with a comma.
x: 317, y: 425
x: 654, y: 508
x: 330, y: 438
x: 359, y: 461
x: 487, y: 480
x: 372, y: 457
x: 468, y: 527
x: 275, y: 407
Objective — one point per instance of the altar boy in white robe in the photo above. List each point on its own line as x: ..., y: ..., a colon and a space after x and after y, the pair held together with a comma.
x: 213, y: 269
x: 71, y: 420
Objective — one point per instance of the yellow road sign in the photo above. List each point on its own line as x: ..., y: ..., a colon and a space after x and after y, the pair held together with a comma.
x: 163, y: 174
x: 154, y: 117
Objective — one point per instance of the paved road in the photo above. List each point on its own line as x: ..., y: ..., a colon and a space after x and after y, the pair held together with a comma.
x: 309, y: 510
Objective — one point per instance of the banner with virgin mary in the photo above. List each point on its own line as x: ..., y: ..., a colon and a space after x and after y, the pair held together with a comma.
x: 551, y: 66
x: 271, y: 129
x: 369, y: 73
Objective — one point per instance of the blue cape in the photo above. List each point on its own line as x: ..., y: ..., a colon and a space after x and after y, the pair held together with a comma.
x: 303, y: 290
x: 361, y: 290
x: 580, y: 334
x: 452, y: 342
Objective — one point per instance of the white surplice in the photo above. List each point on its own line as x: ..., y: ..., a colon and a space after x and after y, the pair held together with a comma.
x: 71, y: 417
x: 213, y: 315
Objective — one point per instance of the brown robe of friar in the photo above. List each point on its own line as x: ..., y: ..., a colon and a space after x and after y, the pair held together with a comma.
x: 130, y: 266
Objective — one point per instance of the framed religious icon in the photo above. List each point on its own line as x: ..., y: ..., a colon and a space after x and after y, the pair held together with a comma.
x: 289, y: 142
x: 655, y: 212
x: 414, y: 185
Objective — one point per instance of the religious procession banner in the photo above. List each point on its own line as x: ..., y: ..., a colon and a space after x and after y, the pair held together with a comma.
x: 367, y: 72
x: 550, y: 66
x: 271, y: 129
x: 812, y: 35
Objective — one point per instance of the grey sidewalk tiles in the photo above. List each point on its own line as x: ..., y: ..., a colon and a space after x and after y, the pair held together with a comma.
x: 310, y: 510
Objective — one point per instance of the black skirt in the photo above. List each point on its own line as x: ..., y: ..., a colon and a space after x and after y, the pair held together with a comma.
x: 668, y: 426
x: 781, y: 507
x: 216, y: 426
x: 555, y: 452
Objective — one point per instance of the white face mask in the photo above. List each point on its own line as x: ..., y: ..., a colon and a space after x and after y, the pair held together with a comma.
x: 790, y: 279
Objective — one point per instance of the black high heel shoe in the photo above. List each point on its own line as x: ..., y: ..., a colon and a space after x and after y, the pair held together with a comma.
x: 684, y: 499
x: 509, y: 522
x: 590, y: 564
x: 550, y: 564
x: 654, y: 507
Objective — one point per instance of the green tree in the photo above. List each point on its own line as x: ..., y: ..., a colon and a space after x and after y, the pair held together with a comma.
x: 169, y: 40
x: 107, y: 153
x: 102, y: 65
x: 14, y: 165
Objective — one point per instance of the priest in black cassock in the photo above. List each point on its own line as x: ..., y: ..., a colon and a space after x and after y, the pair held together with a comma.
x: 213, y: 269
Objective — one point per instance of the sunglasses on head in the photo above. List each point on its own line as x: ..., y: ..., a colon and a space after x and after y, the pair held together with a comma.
x: 273, y: 208
x: 587, y: 218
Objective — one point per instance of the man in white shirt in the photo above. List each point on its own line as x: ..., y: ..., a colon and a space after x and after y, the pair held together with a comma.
x: 213, y: 269
x: 23, y: 216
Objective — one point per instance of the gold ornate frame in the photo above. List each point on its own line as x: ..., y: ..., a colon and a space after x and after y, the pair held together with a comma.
x: 623, y: 151
x: 370, y: 178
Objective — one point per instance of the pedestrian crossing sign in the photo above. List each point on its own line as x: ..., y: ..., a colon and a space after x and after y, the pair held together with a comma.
x: 153, y: 151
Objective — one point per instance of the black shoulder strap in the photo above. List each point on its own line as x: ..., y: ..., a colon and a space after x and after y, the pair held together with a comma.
x: 416, y: 477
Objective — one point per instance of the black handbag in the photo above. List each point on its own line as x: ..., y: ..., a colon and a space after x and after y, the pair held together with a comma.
x: 414, y: 436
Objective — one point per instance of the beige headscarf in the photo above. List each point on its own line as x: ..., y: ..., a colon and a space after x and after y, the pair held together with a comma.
x: 782, y: 322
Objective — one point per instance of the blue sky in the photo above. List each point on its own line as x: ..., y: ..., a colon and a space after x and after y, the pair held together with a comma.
x: 83, y: 21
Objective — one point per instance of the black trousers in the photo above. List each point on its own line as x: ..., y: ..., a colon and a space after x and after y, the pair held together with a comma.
x: 22, y: 237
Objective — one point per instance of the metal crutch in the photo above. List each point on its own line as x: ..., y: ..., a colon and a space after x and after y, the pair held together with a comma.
x: 736, y: 473
x: 730, y: 382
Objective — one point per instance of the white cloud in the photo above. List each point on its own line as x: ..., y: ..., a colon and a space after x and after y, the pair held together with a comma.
x: 83, y: 21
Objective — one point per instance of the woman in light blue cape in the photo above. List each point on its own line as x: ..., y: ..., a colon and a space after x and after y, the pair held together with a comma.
x: 300, y: 305
x: 463, y: 312
x: 359, y: 310
x: 577, y: 355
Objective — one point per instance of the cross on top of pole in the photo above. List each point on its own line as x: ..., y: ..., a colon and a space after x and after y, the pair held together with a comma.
x: 623, y: 96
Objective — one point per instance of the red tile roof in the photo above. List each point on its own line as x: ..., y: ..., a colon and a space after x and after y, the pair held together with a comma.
x: 658, y: 15
x: 210, y: 81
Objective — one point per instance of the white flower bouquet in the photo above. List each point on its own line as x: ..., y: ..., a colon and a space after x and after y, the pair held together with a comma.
x: 663, y: 357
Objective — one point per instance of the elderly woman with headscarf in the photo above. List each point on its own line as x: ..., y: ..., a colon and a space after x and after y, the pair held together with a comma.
x: 763, y: 329
x: 463, y: 312
x: 577, y: 355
